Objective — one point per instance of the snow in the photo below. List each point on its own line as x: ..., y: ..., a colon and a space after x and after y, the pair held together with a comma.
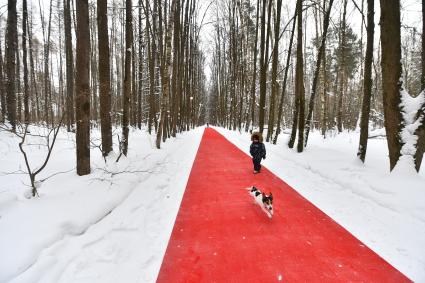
x: 114, y: 224
x: 410, y: 107
x: 109, y: 226
x: 386, y: 211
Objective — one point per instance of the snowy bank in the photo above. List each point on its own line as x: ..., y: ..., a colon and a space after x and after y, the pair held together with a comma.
x: 110, y: 226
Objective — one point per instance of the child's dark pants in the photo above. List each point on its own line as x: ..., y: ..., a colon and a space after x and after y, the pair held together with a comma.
x: 257, y: 164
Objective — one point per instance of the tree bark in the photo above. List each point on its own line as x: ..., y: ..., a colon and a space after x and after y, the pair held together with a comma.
x: 33, y: 76
x: 299, y: 80
x: 342, y: 68
x: 285, y: 78
x: 367, y: 84
x: 82, y: 79
x: 420, y: 132
x: 141, y: 58
x: 11, y: 47
x: 25, y: 63
x: 127, y: 74
x: 391, y: 74
x: 297, y: 107
x: 69, y: 67
x: 254, y: 73
x: 166, y: 62
x: 151, y: 62
x: 263, y: 70
x: 104, y: 77
x: 2, y: 89
x: 316, y: 72
x: 275, y: 85
x: 47, y: 93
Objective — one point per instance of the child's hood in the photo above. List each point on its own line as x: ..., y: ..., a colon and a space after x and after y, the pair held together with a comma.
x: 257, y: 135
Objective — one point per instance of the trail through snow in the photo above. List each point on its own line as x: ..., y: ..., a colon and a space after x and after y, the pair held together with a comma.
x: 385, y: 211
x: 114, y: 224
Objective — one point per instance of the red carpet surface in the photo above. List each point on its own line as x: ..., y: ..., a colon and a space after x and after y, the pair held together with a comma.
x: 220, y: 235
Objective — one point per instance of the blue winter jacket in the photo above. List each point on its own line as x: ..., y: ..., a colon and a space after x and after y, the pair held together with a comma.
x: 257, y: 150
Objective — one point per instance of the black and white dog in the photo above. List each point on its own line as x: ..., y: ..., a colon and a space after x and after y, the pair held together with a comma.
x: 263, y: 200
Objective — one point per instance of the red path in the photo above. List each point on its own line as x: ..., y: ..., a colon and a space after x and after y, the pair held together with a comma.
x: 221, y: 236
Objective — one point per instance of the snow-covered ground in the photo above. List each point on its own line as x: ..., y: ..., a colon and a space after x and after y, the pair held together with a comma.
x: 114, y: 224
x: 385, y: 211
x: 110, y: 226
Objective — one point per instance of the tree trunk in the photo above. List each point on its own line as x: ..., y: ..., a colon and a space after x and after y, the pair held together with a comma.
x: 420, y: 132
x: 297, y: 106
x: 166, y: 62
x: 18, y: 82
x: 367, y: 84
x: 127, y: 74
x: 24, y: 49
x: 325, y: 99
x: 151, y: 62
x: 391, y: 74
x: 69, y: 67
x: 47, y: 94
x: 342, y: 68
x: 275, y: 85
x: 254, y: 73
x: 10, y: 53
x: 285, y: 78
x: 141, y: 58
x: 263, y: 69
x: 299, y: 80
x: 33, y: 76
x: 2, y: 89
x: 104, y: 77
x: 316, y: 72
x: 82, y: 89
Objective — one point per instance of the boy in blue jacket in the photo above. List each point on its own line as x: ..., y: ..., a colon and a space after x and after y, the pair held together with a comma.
x: 257, y: 151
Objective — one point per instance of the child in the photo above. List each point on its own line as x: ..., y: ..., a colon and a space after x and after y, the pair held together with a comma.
x: 257, y: 150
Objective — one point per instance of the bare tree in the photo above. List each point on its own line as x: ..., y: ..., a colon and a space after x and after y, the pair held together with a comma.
x: 69, y: 66
x: 342, y: 67
x: 82, y: 79
x: 299, y: 80
x: 367, y: 85
x: 285, y: 78
x: 32, y: 173
x: 275, y: 85
x: 391, y: 74
x: 298, y: 118
x: 420, y: 132
x: 24, y: 49
x: 2, y: 89
x: 254, y: 73
x: 127, y: 74
x: 104, y: 77
x: 263, y: 65
x: 165, y: 66
x: 11, y: 47
x: 316, y: 72
x: 48, y: 112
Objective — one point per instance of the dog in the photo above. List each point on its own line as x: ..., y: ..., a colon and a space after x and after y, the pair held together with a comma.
x: 263, y: 200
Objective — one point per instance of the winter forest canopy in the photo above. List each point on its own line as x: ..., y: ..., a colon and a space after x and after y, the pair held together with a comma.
x: 273, y: 65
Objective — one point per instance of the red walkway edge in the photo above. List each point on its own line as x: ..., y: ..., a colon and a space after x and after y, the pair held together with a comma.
x: 221, y: 236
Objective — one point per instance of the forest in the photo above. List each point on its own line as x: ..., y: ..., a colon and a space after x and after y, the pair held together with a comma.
x: 115, y: 65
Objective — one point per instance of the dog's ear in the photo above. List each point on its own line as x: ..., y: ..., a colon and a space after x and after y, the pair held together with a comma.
x: 271, y: 196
